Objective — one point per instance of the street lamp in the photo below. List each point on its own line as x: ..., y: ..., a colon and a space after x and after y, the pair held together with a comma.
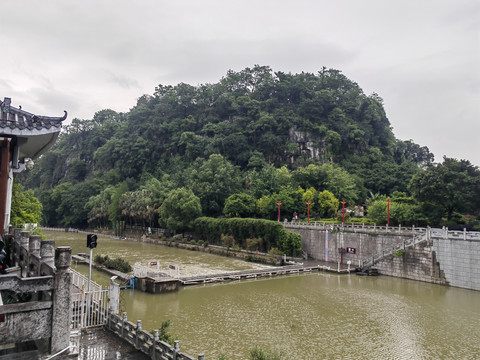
x: 388, y: 212
x: 308, y: 210
x: 343, y: 211
x: 278, y: 204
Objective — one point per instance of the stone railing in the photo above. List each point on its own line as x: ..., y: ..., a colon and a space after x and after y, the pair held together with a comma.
x: 353, y: 227
x: 144, y: 341
x: 455, y: 235
x: 407, y: 243
x: 47, y: 280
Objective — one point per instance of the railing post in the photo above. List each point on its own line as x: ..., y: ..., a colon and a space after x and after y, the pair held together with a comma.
x: 114, y: 296
x: 62, y: 299
x: 124, y: 320
x: 47, y: 252
x: 154, y: 346
x: 34, y: 249
x: 176, y: 349
x: 137, y: 333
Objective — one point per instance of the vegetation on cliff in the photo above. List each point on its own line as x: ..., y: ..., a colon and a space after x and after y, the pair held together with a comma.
x: 255, y: 138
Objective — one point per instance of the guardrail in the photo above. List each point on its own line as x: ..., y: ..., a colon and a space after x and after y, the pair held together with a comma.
x: 81, y: 282
x: 417, y: 239
x: 444, y: 233
x: 146, y: 342
x: 353, y: 227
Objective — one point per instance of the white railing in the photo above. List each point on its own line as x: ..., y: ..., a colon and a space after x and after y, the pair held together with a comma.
x: 444, y: 233
x: 356, y: 227
x: 80, y: 281
x: 416, y: 239
x: 89, y: 309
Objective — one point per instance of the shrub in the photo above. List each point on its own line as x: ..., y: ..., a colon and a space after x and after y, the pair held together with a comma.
x: 258, y: 354
x: 272, y: 232
x: 228, y: 240
x: 115, y: 264
x: 254, y: 244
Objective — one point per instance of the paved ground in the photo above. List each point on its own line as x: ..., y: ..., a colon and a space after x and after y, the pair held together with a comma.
x: 100, y: 344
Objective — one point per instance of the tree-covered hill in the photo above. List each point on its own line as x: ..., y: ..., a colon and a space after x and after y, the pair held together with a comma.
x: 257, y: 132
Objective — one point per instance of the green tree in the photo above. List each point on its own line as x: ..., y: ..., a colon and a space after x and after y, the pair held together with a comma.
x: 26, y: 208
x: 180, y: 209
x: 327, y: 203
x: 453, y: 185
x: 214, y: 181
x: 239, y: 205
x: 114, y: 209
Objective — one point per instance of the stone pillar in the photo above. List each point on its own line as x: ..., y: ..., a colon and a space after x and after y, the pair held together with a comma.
x: 114, y: 294
x: 47, y: 252
x: 16, y: 246
x: 24, y: 239
x: 137, y: 334
x: 34, y: 244
x: 154, y: 345
x: 34, y: 252
x: 23, y: 252
x: 62, y: 299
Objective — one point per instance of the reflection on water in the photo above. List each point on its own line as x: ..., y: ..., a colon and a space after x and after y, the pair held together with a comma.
x: 317, y: 316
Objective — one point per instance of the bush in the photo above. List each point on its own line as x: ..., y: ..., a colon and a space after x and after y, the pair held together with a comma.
x: 115, y: 264
x: 258, y: 354
x: 228, y: 240
x: 272, y: 232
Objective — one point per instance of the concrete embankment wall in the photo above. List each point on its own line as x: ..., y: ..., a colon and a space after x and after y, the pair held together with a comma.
x: 460, y: 261
x: 324, y: 245
x: 448, y: 257
x: 416, y: 263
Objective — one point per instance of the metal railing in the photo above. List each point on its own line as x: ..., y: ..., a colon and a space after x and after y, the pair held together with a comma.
x: 89, y: 308
x: 80, y: 281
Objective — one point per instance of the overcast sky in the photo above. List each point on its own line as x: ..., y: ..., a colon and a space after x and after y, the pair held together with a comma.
x: 421, y: 56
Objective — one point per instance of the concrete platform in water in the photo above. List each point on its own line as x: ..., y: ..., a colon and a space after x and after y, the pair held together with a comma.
x: 162, y: 284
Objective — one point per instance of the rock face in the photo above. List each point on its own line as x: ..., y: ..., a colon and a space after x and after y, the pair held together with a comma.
x: 309, y: 145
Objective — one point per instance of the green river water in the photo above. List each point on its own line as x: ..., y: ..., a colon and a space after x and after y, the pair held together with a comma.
x: 310, y: 316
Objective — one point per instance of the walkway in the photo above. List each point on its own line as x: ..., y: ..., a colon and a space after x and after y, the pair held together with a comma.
x: 305, y: 267
x: 100, y: 344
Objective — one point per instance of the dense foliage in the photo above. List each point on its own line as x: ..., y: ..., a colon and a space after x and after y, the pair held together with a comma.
x: 228, y: 232
x: 240, y: 146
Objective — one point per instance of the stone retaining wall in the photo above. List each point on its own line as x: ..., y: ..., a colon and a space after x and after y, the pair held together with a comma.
x: 323, y: 245
x: 416, y: 263
x: 460, y: 261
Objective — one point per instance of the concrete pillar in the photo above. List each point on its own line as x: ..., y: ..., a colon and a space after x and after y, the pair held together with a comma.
x: 154, y: 346
x: 47, y: 252
x: 137, y: 334
x: 124, y: 321
x: 24, y: 239
x: 62, y: 299
x: 34, y: 244
x: 24, y: 242
x: 176, y: 349
x: 33, y: 250
x: 114, y: 294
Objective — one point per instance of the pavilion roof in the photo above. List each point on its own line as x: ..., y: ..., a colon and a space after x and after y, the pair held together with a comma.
x: 13, y: 120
